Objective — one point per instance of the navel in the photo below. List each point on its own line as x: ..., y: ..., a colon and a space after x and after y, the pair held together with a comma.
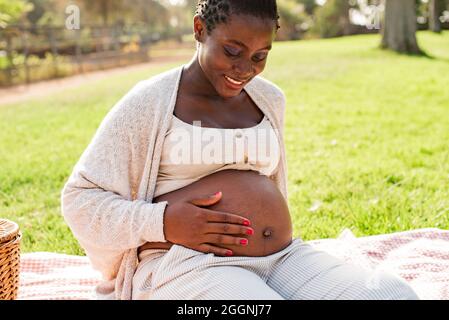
x: 267, y: 232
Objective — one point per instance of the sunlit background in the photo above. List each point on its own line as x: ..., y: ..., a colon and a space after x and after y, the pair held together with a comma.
x: 367, y: 122
x: 44, y: 39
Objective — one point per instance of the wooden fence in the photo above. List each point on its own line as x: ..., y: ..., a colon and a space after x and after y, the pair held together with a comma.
x: 29, y: 54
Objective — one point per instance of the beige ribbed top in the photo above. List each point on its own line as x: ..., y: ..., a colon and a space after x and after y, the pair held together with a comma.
x: 191, y: 152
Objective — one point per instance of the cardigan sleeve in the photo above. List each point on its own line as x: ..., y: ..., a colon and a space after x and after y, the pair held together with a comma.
x: 97, y: 200
x: 280, y: 175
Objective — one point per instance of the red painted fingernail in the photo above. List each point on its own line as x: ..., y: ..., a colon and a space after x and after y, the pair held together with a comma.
x: 229, y: 253
x: 250, y: 231
x: 217, y: 193
x: 246, y: 222
x: 244, y: 241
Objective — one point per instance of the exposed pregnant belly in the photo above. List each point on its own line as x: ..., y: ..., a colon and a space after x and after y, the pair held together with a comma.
x: 249, y: 194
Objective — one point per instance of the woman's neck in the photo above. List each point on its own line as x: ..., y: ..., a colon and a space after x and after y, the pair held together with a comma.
x: 196, y: 82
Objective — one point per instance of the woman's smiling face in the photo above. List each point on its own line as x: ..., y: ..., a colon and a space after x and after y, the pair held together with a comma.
x: 234, y: 52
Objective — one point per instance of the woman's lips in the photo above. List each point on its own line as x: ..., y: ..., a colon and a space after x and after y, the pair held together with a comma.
x: 233, y: 83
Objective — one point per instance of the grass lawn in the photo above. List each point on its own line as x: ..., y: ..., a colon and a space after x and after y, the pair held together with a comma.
x: 367, y: 134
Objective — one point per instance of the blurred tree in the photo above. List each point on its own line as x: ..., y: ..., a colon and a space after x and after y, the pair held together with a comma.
x: 309, y: 6
x: 151, y: 12
x: 11, y: 11
x: 399, y: 27
x: 189, y: 12
x: 49, y: 12
x: 105, y: 9
x: 435, y: 10
x: 39, y: 8
x: 191, y: 5
x: 332, y: 19
x: 294, y: 20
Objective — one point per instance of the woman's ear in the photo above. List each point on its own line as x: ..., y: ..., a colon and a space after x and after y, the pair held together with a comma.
x: 199, y: 28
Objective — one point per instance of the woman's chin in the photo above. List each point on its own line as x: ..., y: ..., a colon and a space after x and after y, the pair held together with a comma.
x: 227, y: 94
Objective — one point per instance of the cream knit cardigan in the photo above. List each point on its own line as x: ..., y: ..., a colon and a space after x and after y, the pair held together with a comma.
x: 107, y: 200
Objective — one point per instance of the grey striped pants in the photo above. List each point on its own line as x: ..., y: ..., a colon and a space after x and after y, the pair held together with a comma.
x: 297, y: 272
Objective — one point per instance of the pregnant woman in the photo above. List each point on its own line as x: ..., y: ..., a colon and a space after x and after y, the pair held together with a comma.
x: 182, y: 193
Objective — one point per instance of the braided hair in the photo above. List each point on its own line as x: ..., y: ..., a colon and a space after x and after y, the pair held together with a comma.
x: 214, y: 12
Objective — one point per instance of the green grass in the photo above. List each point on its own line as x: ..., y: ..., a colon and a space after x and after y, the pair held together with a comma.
x: 367, y: 134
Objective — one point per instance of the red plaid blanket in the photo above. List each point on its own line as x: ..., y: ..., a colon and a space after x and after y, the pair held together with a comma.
x: 421, y: 257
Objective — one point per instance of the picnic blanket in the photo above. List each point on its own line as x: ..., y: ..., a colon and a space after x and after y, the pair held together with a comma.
x: 420, y: 256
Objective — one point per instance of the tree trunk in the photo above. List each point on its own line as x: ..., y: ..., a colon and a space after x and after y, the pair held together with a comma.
x: 344, y: 20
x: 105, y: 12
x: 434, y: 15
x: 399, y: 26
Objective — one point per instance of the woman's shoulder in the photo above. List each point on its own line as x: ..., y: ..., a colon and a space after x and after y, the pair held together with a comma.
x: 264, y: 83
x: 268, y: 89
x: 160, y: 85
x: 151, y: 94
x: 165, y: 78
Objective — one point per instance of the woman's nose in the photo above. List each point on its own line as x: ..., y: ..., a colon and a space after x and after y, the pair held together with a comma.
x: 244, y: 69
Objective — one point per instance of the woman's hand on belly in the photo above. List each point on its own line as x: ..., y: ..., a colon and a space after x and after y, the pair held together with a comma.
x: 246, y: 194
x: 190, y: 224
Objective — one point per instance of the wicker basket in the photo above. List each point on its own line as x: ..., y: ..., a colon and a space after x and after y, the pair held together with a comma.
x: 9, y: 259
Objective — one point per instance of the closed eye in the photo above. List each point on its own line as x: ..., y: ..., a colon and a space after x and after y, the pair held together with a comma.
x: 260, y: 58
x: 231, y: 52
